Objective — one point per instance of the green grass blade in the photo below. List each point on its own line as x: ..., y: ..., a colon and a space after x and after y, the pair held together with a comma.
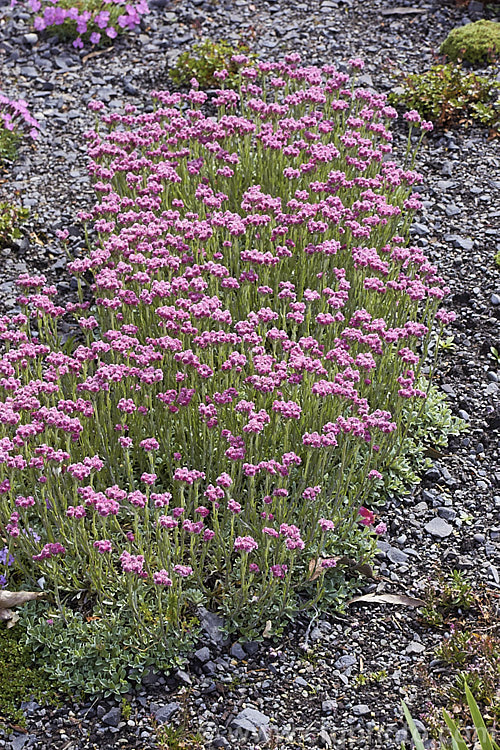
x: 482, y: 732
x: 457, y: 739
x: 419, y: 745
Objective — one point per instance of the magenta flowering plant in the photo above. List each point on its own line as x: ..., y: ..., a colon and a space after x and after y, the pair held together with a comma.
x: 15, y: 120
x: 86, y: 21
x: 241, y: 377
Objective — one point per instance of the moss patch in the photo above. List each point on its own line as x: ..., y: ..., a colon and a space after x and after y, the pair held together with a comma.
x: 20, y: 680
x: 477, y: 43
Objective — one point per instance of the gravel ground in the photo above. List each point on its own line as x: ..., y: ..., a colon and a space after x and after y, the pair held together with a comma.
x: 305, y: 690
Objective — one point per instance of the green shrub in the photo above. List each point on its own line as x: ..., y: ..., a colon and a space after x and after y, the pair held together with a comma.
x: 10, y: 218
x: 477, y: 43
x: 446, y: 95
x: 204, y: 60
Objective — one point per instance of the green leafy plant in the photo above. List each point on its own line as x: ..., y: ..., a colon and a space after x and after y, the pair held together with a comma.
x: 454, y: 733
x: 477, y: 655
x: 446, y: 95
x: 205, y: 59
x: 445, y: 595
x: 9, y: 141
x: 477, y: 43
x: 89, y: 655
x: 10, y: 218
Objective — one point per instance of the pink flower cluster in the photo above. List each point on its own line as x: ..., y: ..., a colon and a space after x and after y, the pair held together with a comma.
x: 15, y: 116
x: 95, y: 25
x: 256, y: 315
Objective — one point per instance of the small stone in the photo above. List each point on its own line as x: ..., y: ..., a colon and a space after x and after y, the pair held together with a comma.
x: 432, y: 474
x: 328, y: 707
x: 361, y: 709
x: 449, y: 390
x: 447, y: 513
x: 349, y: 660
x: 251, y: 647
x: 221, y: 742
x: 415, y: 647
x: 113, y: 717
x: 237, y: 651
x: 300, y: 682
x: 31, y: 38
x: 203, y: 654
x: 396, y: 556
x: 163, y: 714
x: 250, y: 720
x: 495, y: 299
x: 183, y: 677
x: 438, y: 527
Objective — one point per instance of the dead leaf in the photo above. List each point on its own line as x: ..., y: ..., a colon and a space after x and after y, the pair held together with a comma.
x: 316, y: 566
x: 96, y: 53
x: 408, y: 601
x: 10, y: 599
x: 267, y: 630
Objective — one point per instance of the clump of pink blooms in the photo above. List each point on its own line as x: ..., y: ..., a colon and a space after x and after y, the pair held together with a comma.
x: 237, y: 387
x: 95, y: 24
x: 15, y: 116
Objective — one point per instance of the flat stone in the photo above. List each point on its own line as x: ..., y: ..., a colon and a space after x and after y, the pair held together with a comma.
x: 212, y: 625
x: 396, y: 556
x: 250, y: 720
x: 237, y: 651
x: 113, y: 717
x: 349, y: 660
x: 203, y: 654
x: 163, y: 714
x: 361, y: 709
x: 438, y: 527
x: 415, y: 647
x: 495, y: 299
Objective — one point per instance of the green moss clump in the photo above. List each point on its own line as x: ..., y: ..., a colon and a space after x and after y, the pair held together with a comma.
x: 476, y: 43
x: 204, y: 60
x: 20, y: 680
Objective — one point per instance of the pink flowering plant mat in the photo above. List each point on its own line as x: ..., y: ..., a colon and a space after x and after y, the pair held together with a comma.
x: 94, y: 22
x: 247, y: 370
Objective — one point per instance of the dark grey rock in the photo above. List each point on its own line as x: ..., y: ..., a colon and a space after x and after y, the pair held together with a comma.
x: 212, y: 625
x: 447, y: 513
x: 163, y: 714
x: 237, y: 651
x: 361, y: 709
x: 203, y: 654
x: 113, y: 717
